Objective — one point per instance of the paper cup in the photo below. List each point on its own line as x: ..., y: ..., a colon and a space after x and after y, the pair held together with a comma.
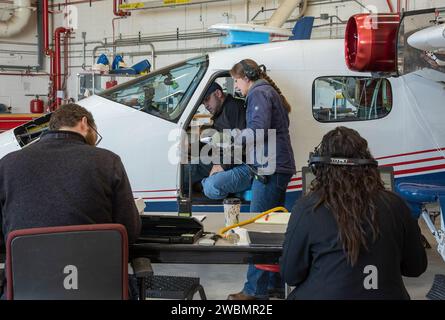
x: 232, y: 208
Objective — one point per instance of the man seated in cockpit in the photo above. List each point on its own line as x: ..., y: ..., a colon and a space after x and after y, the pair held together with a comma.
x: 227, y: 113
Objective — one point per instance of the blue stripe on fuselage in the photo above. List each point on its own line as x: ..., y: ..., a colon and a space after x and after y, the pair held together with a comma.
x: 172, y: 206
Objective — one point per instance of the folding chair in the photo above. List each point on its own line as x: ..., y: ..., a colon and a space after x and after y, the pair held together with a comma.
x: 69, y: 263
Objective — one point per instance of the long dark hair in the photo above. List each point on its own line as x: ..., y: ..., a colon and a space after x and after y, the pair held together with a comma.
x: 238, y: 71
x: 349, y: 191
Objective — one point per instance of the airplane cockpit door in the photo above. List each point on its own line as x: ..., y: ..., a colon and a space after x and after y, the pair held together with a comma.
x: 147, y: 125
x: 194, y: 127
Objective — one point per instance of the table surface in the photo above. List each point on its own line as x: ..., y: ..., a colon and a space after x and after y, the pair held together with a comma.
x: 222, y: 252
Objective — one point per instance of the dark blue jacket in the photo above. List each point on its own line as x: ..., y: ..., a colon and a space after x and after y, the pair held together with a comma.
x: 265, y: 110
x: 314, y: 261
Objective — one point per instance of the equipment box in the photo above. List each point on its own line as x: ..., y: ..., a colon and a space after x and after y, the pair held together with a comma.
x: 170, y: 229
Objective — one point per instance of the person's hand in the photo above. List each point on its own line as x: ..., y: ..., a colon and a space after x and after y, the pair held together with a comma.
x: 215, y: 169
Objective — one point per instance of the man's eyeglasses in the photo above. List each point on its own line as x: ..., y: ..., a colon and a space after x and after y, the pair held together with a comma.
x: 98, y: 136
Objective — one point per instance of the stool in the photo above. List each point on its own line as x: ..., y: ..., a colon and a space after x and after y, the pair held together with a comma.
x: 268, y: 267
x: 274, y: 268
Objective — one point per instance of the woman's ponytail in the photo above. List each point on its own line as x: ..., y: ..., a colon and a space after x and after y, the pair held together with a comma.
x: 273, y: 84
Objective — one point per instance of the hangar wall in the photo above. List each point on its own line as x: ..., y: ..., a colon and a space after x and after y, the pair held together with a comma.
x: 192, y: 21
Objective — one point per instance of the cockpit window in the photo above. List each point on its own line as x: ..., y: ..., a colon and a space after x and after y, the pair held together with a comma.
x: 165, y: 93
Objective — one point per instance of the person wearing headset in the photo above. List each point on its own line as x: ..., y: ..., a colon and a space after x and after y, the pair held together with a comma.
x: 350, y: 238
x: 267, y: 119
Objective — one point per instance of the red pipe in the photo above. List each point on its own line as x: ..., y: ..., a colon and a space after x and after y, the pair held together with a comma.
x: 398, y: 6
x: 391, y: 8
x: 46, y: 48
x: 57, y: 72
x: 117, y: 11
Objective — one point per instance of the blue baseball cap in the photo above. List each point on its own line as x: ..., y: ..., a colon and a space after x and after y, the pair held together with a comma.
x: 213, y: 87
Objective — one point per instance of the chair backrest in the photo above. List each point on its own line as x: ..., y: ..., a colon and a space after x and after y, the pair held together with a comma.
x: 68, y: 263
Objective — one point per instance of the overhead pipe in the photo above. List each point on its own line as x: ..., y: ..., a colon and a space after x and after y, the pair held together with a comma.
x: 74, y: 2
x: 284, y: 11
x: 25, y: 74
x: 165, y: 52
x: 161, y: 5
x: 18, y: 21
x: 72, y: 43
x: 118, y: 12
x: 168, y: 37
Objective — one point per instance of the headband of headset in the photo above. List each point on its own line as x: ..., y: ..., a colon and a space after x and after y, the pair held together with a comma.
x: 314, y: 159
x: 252, y: 73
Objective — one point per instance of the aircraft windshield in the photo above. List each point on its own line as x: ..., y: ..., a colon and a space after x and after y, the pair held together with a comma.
x: 165, y: 93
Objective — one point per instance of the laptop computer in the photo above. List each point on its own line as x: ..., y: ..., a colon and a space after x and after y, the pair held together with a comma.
x: 266, y: 239
x: 386, y: 173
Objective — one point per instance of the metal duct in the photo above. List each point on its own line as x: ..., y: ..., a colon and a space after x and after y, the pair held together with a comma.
x: 284, y: 11
x: 18, y: 20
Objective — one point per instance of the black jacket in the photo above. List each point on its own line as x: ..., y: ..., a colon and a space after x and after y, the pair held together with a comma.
x: 231, y: 116
x: 61, y: 180
x: 313, y: 260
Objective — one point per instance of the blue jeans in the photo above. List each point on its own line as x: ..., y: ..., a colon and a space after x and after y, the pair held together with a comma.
x: 265, y: 197
x: 197, y: 172
x: 221, y: 184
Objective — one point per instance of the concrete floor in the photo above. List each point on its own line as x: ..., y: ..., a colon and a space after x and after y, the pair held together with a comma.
x: 220, y: 280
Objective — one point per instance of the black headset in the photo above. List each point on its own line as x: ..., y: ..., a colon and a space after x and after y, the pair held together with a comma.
x: 315, y: 159
x: 252, y: 73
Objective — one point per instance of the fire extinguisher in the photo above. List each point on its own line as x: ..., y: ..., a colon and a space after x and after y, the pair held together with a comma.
x: 36, y: 105
x: 110, y: 84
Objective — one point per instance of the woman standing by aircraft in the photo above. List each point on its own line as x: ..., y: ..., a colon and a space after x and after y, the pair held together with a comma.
x: 267, y: 112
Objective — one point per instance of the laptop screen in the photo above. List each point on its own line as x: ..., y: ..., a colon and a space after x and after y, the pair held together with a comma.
x: 386, y: 173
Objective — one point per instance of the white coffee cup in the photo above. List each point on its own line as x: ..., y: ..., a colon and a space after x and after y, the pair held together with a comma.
x: 232, y: 207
